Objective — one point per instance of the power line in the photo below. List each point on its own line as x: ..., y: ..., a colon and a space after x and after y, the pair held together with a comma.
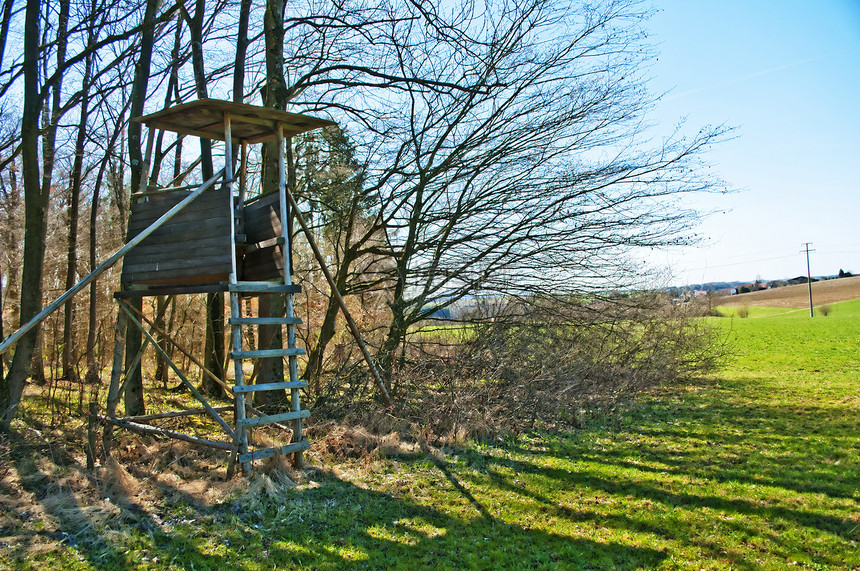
x: 757, y: 260
x: 710, y: 267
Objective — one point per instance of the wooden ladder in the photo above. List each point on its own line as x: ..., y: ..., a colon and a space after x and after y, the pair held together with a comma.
x: 237, y: 288
x: 238, y: 355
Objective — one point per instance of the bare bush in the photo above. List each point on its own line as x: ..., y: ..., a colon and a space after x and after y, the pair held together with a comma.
x: 543, y: 363
x: 743, y: 312
x: 825, y: 309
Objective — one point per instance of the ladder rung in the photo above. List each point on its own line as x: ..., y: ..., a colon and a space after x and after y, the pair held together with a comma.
x: 259, y: 420
x: 276, y: 451
x: 263, y: 287
x: 269, y: 386
x: 265, y: 321
x: 261, y: 353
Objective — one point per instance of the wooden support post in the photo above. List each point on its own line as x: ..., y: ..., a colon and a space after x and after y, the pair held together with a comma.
x: 228, y: 170
x: 178, y: 372
x: 92, y: 427
x: 283, y: 191
x: 116, y: 373
x: 240, y: 436
x: 353, y: 328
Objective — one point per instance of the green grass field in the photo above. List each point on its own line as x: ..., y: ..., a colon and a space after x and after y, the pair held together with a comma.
x: 755, y: 468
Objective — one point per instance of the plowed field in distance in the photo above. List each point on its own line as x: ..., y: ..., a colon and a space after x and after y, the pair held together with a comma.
x: 823, y: 292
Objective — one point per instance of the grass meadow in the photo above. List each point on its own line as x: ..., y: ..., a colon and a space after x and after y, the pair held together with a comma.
x: 757, y: 467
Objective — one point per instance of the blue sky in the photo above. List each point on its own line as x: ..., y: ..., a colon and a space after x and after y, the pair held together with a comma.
x: 787, y: 75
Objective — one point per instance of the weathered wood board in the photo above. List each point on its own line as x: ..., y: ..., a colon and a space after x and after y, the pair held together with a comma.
x: 194, y: 247
x: 263, y: 222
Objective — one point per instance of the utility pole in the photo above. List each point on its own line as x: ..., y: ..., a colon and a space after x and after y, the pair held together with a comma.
x: 806, y: 249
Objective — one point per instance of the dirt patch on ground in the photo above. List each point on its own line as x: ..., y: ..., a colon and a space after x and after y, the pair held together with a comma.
x: 825, y: 292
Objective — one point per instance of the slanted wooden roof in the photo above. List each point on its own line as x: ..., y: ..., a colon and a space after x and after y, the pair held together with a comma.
x: 205, y: 118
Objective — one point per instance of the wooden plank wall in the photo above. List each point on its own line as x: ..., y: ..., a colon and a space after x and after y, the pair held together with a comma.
x: 192, y: 248
x: 263, y: 222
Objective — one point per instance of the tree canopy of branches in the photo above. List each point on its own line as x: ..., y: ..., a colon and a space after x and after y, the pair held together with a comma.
x: 486, y: 148
x: 505, y: 145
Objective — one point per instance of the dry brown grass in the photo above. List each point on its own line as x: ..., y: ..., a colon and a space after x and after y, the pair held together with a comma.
x: 830, y: 291
x: 48, y: 498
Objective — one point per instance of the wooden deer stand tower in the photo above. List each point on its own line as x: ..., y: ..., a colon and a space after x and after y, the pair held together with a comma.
x: 210, y: 239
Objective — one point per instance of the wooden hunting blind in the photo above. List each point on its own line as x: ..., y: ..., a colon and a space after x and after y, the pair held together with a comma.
x: 196, y: 246
x: 209, y: 238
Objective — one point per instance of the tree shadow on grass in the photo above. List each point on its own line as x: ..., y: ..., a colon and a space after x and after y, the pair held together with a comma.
x: 79, y: 518
x: 807, y: 450
x: 680, y: 461
x: 342, y: 526
x: 668, y: 500
x: 333, y: 525
x: 804, y: 449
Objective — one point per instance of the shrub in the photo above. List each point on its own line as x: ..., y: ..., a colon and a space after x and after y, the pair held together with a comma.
x: 825, y: 309
x: 743, y: 312
x: 546, y: 362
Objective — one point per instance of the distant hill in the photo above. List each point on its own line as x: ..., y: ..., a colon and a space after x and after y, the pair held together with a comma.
x: 710, y: 286
x: 823, y: 292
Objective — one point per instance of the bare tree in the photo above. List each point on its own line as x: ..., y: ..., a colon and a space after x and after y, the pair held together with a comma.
x: 10, y: 238
x: 332, y: 185
x: 117, y: 121
x: 134, y: 403
x: 506, y: 144
x: 35, y: 205
x: 69, y: 370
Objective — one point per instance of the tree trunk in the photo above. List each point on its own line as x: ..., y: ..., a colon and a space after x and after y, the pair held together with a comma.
x: 270, y: 337
x: 161, y: 368
x: 314, y: 368
x: 35, y: 213
x: 4, y: 33
x: 316, y: 355
x: 51, y: 119
x: 274, y: 96
x: 214, y: 357
x: 134, y: 404
x: 2, y: 335
x: 92, y: 317
x: 92, y: 324
x: 241, y: 51
x: 213, y: 352
x: 69, y: 371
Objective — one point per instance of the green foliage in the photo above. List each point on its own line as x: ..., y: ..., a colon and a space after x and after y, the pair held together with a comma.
x: 332, y: 180
x: 756, y: 311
